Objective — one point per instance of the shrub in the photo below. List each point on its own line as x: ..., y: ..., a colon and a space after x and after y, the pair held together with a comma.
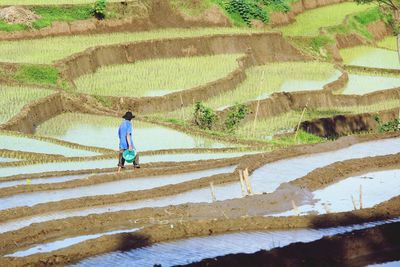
x: 235, y: 115
x: 247, y: 10
x: 99, y: 9
x: 204, y: 117
x: 390, y: 126
x: 37, y: 74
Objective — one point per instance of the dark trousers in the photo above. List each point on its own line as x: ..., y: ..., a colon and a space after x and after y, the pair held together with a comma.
x: 121, y: 160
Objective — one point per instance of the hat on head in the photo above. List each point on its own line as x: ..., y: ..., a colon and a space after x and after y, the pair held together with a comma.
x: 128, y: 116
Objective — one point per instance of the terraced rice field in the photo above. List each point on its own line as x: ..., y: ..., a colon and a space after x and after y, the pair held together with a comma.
x: 224, y: 165
x: 48, y: 50
x: 157, y: 77
x: 13, y: 99
x: 320, y: 18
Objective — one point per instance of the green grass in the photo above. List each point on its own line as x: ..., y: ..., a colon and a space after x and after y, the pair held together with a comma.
x: 264, y: 80
x: 309, y: 22
x: 37, y: 74
x: 158, y: 76
x: 191, y: 8
x: 288, y: 121
x: 47, y: 50
x: 12, y: 99
x: 389, y: 43
x: 368, y: 16
x: 50, y: 14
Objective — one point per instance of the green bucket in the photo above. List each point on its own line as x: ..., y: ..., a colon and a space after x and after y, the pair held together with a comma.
x: 129, y: 155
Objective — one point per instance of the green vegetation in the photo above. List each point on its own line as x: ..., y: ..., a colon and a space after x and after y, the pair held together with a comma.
x: 390, y: 126
x: 99, y: 9
x: 37, y: 74
x: 191, y: 8
x: 301, y: 138
x: 158, y: 76
x: 47, y: 50
x: 12, y: 99
x: 235, y: 115
x: 204, y: 117
x: 309, y: 23
x: 12, y: 27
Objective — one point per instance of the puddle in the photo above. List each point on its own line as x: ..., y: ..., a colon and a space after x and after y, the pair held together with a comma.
x: 338, y: 197
x: 360, y: 84
x: 110, y: 188
x: 371, y: 57
x: 112, y: 163
x: 37, y: 146
x: 102, y: 131
x: 198, y: 248
x: 59, y: 244
x: 50, y: 180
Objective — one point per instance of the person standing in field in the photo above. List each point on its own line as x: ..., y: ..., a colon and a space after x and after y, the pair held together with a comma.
x: 125, y: 132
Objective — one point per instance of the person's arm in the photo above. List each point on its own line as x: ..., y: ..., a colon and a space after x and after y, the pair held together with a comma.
x: 128, y: 139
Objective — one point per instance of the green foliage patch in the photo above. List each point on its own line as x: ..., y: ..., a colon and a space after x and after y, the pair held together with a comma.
x: 204, y: 117
x: 37, y: 74
x: 235, y: 115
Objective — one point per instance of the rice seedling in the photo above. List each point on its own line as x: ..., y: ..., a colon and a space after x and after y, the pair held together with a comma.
x: 157, y: 77
x: 368, y: 56
x: 389, y: 43
x: 48, y: 50
x: 264, y: 80
x: 12, y: 99
x: 285, y: 123
x: 309, y: 23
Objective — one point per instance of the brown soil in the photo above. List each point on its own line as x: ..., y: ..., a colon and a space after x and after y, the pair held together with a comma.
x: 17, y: 15
x: 358, y: 248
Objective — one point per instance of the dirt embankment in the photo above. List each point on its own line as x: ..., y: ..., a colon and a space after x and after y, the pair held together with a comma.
x: 155, y: 15
x: 267, y: 203
x: 358, y: 248
x: 348, y: 124
x: 298, y: 7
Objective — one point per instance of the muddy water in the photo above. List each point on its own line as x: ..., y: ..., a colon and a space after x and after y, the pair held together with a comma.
x: 339, y: 197
x: 110, y: 188
x: 36, y: 146
x: 198, y: 248
x: 360, y: 84
x: 111, y: 163
x: 371, y: 57
x: 101, y: 131
x: 59, y: 244
x: 302, y: 85
x: 50, y: 180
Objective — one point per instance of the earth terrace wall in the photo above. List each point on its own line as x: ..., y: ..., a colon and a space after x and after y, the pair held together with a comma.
x: 280, y: 103
x: 280, y: 18
x: 160, y: 15
x: 347, y: 124
x: 260, y: 48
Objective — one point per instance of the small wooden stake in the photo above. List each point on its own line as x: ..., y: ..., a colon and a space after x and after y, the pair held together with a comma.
x: 295, y: 208
x: 361, y: 201
x: 242, y: 183
x: 258, y: 105
x: 182, y: 110
x: 247, y: 180
x: 214, y: 198
x: 354, y: 203
x: 298, y: 125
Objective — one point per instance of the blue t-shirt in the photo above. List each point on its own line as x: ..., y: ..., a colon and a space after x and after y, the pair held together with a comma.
x: 124, y: 129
